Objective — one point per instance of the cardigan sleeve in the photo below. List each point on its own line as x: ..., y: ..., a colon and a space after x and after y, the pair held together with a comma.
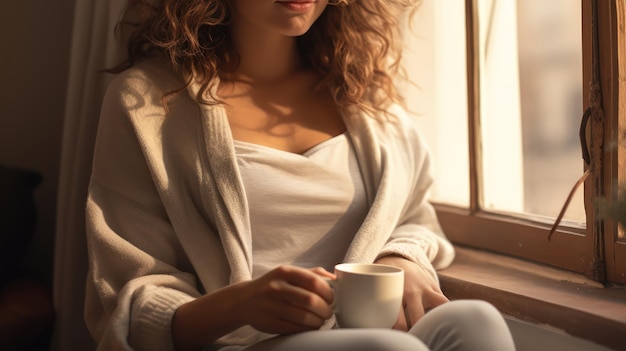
x: 418, y: 235
x: 135, y: 283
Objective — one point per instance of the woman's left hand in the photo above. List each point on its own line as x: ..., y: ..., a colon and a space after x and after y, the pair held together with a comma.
x: 421, y: 292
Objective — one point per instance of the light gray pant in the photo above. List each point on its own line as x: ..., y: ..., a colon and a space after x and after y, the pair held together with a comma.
x: 468, y: 325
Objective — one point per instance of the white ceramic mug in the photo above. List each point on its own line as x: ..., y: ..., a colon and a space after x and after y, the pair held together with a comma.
x: 367, y: 295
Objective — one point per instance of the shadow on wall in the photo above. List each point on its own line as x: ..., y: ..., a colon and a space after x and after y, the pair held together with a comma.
x: 26, y: 312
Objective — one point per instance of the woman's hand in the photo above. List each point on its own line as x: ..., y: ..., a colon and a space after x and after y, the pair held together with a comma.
x: 421, y: 292
x: 287, y: 300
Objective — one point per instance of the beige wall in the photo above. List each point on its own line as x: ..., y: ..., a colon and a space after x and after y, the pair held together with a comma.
x: 35, y: 38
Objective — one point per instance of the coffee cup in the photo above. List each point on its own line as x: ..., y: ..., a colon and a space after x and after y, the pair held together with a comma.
x: 367, y: 295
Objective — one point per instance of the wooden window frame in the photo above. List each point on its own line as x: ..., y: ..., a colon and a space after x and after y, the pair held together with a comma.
x: 595, y: 251
x: 612, y: 67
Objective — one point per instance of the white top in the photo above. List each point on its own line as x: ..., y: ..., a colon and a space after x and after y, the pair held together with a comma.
x: 304, y: 208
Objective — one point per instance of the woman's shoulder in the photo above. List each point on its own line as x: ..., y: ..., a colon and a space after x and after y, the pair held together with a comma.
x: 398, y: 124
x: 152, y: 76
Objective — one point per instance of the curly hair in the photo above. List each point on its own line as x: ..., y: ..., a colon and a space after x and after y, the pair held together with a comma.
x: 354, y: 45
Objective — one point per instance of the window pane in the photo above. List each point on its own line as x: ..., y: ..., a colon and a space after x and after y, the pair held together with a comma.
x: 531, y: 105
x: 436, y: 65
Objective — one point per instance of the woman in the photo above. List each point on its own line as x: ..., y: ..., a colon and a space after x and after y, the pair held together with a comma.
x: 247, y: 147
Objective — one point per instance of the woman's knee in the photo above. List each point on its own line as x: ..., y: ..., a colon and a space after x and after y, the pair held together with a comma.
x: 343, y: 339
x: 474, y: 312
x: 464, y: 324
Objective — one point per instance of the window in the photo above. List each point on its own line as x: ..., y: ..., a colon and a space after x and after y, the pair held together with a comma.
x: 508, y: 82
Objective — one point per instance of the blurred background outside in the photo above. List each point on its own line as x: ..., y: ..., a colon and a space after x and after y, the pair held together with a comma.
x: 531, y: 102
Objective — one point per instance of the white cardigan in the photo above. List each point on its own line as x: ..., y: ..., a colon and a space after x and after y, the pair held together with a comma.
x: 167, y: 217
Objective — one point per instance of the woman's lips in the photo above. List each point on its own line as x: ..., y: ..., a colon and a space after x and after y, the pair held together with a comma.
x: 297, y: 5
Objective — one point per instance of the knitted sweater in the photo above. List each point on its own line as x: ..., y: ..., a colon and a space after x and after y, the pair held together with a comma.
x: 167, y: 217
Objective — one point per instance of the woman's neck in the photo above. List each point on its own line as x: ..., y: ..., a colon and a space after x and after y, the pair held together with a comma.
x: 264, y: 58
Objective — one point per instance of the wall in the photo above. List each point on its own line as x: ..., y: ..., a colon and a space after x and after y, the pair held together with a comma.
x: 35, y: 37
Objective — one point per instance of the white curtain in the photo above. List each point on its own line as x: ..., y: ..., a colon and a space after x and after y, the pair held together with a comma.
x: 94, y: 47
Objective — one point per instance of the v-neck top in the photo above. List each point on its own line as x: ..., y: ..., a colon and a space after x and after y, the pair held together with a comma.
x: 304, y: 208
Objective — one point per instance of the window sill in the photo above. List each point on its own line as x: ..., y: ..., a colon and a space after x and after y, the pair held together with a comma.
x: 539, y: 294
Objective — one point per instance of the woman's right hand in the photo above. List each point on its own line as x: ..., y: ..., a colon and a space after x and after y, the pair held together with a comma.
x: 287, y: 300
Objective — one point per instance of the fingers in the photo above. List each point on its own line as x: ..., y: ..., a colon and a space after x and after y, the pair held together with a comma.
x: 421, y: 292
x: 302, y: 288
x: 411, y: 311
x: 308, y: 279
x: 323, y: 273
x: 285, y: 319
x: 301, y: 310
x: 276, y: 305
x: 401, y: 324
x: 305, y: 300
x: 433, y: 299
x: 414, y: 309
